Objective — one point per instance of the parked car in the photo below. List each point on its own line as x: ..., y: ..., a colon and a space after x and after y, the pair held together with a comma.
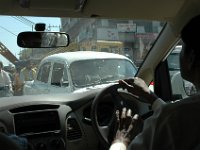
x: 173, y: 60
x: 78, y: 71
x: 181, y: 88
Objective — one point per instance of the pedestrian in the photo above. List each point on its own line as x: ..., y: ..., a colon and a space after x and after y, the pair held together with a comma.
x: 5, y: 82
x: 28, y: 73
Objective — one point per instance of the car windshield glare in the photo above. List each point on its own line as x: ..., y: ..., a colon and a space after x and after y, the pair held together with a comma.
x: 100, y: 71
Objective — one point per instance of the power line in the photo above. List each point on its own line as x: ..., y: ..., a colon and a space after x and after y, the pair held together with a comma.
x: 21, y: 21
x: 8, y: 31
x: 24, y: 21
x: 32, y: 24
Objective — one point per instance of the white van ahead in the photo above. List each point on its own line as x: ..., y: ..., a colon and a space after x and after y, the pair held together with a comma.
x: 77, y: 71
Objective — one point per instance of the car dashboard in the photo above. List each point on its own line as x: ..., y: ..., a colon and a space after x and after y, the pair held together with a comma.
x: 59, y: 121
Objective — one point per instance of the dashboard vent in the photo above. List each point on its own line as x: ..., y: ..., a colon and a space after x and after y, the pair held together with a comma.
x: 33, y: 108
x: 73, y: 129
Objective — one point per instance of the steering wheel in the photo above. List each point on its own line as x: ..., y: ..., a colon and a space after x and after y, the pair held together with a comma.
x: 120, y: 99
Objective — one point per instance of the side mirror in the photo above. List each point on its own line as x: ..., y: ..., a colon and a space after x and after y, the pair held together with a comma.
x: 42, y: 39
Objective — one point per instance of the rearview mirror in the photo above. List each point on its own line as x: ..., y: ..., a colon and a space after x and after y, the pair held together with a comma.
x: 42, y: 39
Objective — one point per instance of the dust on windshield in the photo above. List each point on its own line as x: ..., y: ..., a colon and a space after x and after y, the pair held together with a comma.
x: 93, y: 72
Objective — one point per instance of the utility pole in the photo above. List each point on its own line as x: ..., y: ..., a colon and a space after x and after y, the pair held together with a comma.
x: 53, y: 26
x: 4, y: 51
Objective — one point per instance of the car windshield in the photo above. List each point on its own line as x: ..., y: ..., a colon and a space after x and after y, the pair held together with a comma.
x: 35, y: 71
x: 100, y: 71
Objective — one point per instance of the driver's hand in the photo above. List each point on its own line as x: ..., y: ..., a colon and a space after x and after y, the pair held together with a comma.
x: 138, y: 87
x: 128, y: 126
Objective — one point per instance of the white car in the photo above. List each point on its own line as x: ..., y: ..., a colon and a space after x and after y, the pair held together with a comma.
x: 180, y: 87
x: 173, y: 60
x: 77, y: 71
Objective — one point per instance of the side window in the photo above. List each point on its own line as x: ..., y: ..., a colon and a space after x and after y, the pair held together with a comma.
x: 65, y: 81
x: 180, y: 87
x: 43, y: 73
x: 57, y: 74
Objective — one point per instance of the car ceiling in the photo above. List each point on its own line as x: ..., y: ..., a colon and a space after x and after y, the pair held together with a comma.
x: 147, y: 9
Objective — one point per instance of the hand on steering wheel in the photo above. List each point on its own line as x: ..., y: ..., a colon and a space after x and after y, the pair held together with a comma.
x: 128, y: 126
x: 138, y: 87
x: 119, y: 99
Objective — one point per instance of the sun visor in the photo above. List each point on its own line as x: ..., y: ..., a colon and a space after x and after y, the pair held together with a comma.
x: 73, y: 5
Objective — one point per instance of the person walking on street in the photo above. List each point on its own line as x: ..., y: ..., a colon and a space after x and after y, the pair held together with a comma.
x: 5, y: 83
x: 28, y: 73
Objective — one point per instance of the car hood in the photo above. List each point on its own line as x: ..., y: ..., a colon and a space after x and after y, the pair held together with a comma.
x: 34, y: 89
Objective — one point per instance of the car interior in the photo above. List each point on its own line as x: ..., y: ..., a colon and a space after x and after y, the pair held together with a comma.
x: 86, y: 120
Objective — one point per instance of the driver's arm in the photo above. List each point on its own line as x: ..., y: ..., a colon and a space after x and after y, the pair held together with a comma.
x: 158, y: 103
x: 128, y: 126
x: 119, y: 144
x: 138, y: 87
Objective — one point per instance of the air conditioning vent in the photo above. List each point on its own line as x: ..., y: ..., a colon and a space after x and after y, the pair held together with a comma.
x: 73, y: 129
x: 33, y: 108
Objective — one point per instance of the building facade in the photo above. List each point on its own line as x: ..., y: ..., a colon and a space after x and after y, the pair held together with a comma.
x: 127, y: 37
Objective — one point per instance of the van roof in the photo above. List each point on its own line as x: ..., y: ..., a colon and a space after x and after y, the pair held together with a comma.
x: 83, y: 55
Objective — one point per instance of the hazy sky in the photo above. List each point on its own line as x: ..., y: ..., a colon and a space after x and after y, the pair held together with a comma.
x: 10, y: 26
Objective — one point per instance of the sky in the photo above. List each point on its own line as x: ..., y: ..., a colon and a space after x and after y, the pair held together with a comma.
x: 10, y: 26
